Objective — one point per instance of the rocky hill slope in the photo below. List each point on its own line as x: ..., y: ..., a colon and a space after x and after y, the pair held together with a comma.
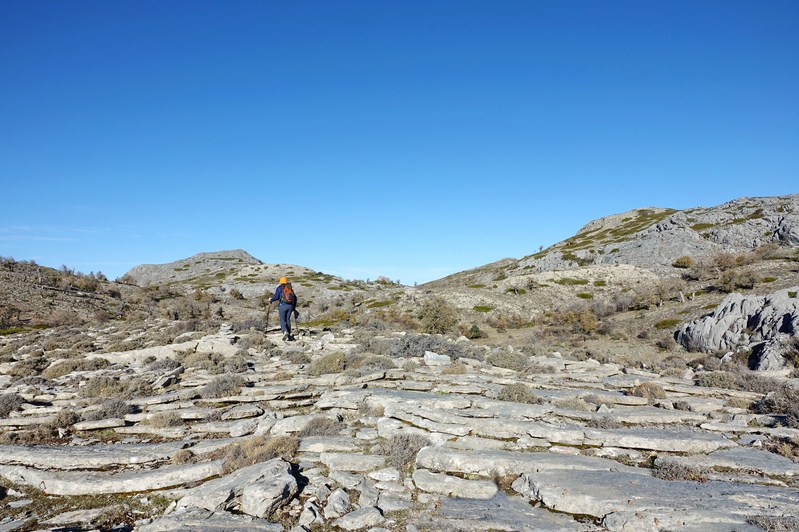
x: 654, y: 238
x: 508, y: 397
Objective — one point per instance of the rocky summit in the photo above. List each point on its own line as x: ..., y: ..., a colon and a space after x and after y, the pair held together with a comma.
x: 568, y: 390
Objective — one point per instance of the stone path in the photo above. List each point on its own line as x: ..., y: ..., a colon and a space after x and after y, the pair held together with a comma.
x: 414, y: 447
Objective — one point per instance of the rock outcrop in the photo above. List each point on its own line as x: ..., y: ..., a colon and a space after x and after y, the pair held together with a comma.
x: 768, y: 325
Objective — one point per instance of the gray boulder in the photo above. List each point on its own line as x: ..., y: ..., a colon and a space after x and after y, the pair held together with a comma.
x: 257, y: 490
x: 767, y: 324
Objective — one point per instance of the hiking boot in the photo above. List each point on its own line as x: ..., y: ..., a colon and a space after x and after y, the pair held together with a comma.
x: 291, y: 338
x: 286, y: 336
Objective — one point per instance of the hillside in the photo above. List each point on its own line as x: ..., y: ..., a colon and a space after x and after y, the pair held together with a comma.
x: 507, y: 397
x: 653, y: 238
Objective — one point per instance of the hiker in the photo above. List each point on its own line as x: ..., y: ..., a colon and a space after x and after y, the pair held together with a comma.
x: 288, y: 305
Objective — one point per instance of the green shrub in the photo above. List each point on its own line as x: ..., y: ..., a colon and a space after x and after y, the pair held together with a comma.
x: 482, y: 308
x: 683, y: 262
x: 768, y: 279
x: 585, y: 295
x: 436, y: 316
x: 667, y: 324
x: 476, y: 286
x: 600, y: 283
x: 474, y: 332
x: 516, y: 291
x: 569, y: 281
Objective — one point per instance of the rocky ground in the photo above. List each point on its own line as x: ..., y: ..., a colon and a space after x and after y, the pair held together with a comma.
x: 372, y: 430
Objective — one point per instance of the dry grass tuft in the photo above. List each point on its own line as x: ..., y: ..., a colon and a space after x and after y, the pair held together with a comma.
x: 669, y: 470
x: 258, y: 449
x: 519, y: 393
x: 648, y: 390
x: 332, y: 363
x: 402, y: 449
x: 223, y: 386
x: 320, y: 426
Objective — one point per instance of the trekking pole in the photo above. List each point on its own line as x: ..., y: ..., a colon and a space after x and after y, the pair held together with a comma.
x: 268, y: 311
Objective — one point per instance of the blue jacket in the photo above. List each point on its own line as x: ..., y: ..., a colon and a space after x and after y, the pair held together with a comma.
x: 279, y: 294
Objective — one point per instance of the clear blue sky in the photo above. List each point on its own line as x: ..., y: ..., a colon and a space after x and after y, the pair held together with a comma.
x: 410, y: 139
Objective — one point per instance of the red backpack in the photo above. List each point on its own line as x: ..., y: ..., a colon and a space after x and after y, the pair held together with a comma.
x: 287, y: 296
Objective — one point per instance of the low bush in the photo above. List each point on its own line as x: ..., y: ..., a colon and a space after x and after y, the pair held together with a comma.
x: 415, y: 345
x: 683, y: 262
x: 164, y: 420
x: 473, y: 332
x: 68, y: 366
x: 668, y: 324
x: 330, y: 363
x: 9, y: 402
x: 214, y: 363
x: 29, y: 367
x: 402, y: 449
x: 112, y: 408
x: 320, y: 426
x: 670, y: 470
x: 372, y: 364
x: 774, y: 523
x: 256, y: 450
x: 509, y: 360
x: 784, y: 401
x: 573, y: 403
x: 223, y: 386
x: 105, y: 386
x: 648, y: 390
x: 519, y: 393
x: 164, y: 364
x: 436, y: 316
x: 604, y: 422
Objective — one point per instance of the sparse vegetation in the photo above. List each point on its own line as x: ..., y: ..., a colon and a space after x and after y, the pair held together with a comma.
x: 509, y: 360
x: 256, y: 450
x: 437, y: 317
x: 223, y: 386
x: 519, y: 393
x: 402, y: 449
x: 668, y: 324
x: 648, y: 390
x: 683, y: 262
x: 9, y: 402
x: 783, y: 401
x: 671, y: 470
x: 331, y: 363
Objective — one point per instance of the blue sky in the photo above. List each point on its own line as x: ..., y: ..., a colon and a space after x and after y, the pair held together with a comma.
x: 410, y: 139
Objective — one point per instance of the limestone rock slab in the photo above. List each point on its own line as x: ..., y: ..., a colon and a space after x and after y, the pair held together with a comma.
x: 450, y: 486
x: 97, y: 483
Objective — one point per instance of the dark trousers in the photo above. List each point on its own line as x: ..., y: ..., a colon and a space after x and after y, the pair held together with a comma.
x: 284, y: 311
